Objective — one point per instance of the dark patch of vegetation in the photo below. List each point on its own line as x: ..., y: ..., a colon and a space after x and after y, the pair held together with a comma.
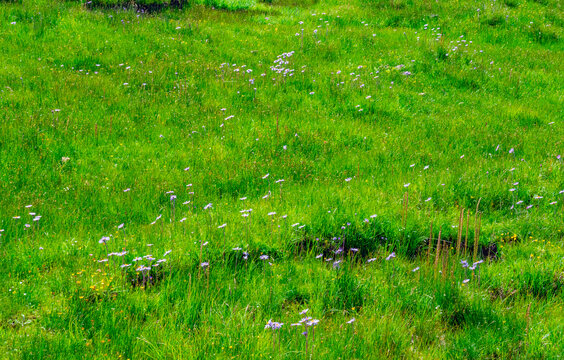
x: 294, y: 296
x: 494, y: 20
x: 502, y: 293
x: 511, y: 3
x: 140, y: 5
x: 543, y: 35
x: 146, y: 279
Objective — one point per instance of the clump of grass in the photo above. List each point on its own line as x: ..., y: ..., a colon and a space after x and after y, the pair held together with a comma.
x: 494, y: 20
x: 543, y: 34
x: 232, y: 5
x: 511, y: 3
x: 344, y: 291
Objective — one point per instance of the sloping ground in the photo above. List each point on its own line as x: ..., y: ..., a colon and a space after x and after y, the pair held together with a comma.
x: 282, y: 153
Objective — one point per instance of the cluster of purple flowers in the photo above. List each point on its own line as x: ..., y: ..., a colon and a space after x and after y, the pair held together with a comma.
x: 273, y: 325
x: 465, y: 264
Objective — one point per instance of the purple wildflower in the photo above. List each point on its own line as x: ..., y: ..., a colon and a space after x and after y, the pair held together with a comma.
x: 273, y: 325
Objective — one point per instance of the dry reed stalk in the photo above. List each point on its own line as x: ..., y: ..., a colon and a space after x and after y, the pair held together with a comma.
x: 477, y: 235
x: 460, y: 224
x: 476, y: 229
x: 438, y: 249
x: 480, y: 226
x: 466, y: 238
x: 445, y: 257
x: 358, y: 170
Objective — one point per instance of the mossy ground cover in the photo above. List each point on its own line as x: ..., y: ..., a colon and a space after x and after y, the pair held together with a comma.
x: 174, y: 177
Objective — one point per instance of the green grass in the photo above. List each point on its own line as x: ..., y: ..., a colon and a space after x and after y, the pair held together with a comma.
x: 383, y: 101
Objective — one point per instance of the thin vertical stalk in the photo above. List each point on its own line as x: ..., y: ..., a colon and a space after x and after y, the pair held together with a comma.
x: 460, y: 224
x: 438, y: 249
x: 467, y: 228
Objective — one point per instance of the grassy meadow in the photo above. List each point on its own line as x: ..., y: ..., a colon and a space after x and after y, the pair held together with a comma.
x: 284, y: 179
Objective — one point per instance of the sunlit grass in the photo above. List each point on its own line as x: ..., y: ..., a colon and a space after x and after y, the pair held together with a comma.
x: 270, y: 159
